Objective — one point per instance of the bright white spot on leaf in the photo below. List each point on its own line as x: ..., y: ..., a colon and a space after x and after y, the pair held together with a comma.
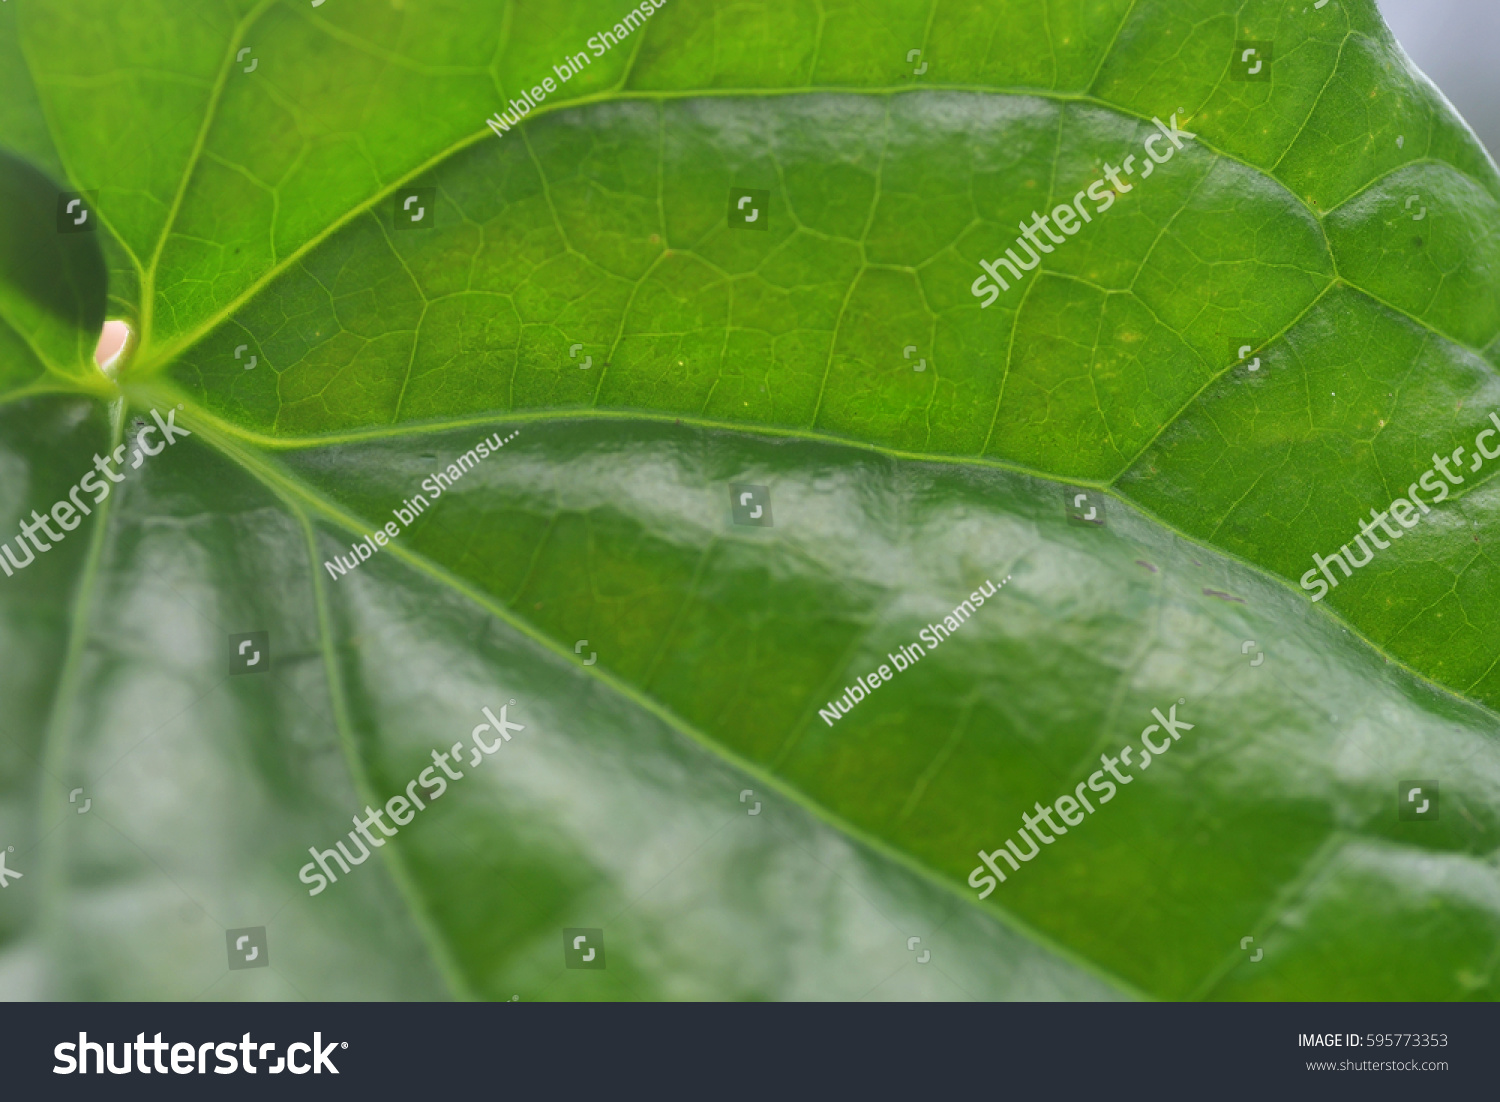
x: 112, y: 341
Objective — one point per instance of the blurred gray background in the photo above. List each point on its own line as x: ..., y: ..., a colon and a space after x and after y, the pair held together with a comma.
x: 1454, y: 43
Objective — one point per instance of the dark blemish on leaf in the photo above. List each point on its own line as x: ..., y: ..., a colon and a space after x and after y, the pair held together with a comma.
x: 1222, y: 596
x: 1148, y: 566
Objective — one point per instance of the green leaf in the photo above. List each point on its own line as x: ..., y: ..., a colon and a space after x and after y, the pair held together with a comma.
x: 578, y: 295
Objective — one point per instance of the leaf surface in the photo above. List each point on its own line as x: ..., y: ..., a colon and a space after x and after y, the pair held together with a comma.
x: 576, y: 291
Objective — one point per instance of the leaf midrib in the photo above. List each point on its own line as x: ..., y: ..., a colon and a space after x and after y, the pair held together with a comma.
x: 57, y: 738
x: 437, y: 945
x: 159, y: 393
x: 148, y: 274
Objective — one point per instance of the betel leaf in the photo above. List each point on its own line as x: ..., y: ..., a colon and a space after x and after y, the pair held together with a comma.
x: 1273, y: 334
